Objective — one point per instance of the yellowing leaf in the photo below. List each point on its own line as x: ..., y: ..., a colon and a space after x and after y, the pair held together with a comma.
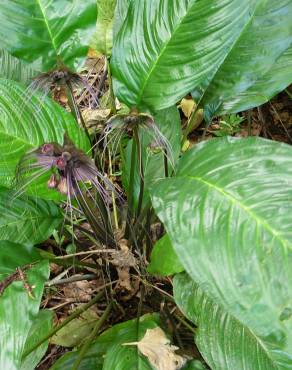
x: 158, y: 350
x: 187, y: 106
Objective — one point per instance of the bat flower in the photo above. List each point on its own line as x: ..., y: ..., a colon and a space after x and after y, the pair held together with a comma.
x: 60, y: 77
x: 120, y: 125
x: 72, y: 170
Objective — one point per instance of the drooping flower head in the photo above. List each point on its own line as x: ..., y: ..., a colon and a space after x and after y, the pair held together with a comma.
x: 61, y: 77
x: 122, y: 124
x: 70, y: 168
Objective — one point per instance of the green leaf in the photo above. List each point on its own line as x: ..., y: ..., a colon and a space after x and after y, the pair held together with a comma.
x: 14, y: 69
x: 120, y: 14
x: 40, y: 328
x: 76, y: 331
x: 194, y: 365
x: 168, y: 122
x: 27, y: 122
x: 276, y: 79
x: 17, y: 309
x: 220, y: 338
x: 164, y: 260
x: 228, y: 217
x: 103, y: 39
x: 47, y: 32
x: 107, y: 352
x: 219, y: 48
x: 26, y: 219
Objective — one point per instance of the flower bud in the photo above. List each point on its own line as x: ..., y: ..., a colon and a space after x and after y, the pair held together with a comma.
x: 63, y: 186
x: 53, y: 182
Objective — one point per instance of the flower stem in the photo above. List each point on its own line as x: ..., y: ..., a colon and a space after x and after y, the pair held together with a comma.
x: 131, y: 190
x: 73, y: 316
x: 111, y: 90
x: 115, y: 213
x: 141, y: 171
x: 92, y: 336
x: 75, y: 109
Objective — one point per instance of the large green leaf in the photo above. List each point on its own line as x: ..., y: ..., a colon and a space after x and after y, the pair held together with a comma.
x: 103, y: 39
x: 27, y: 220
x: 219, y: 48
x: 221, y: 339
x: 18, y: 309
x: 41, y: 326
x: 14, y: 69
x: 26, y: 122
x: 107, y: 352
x: 45, y: 32
x: 272, y: 82
x: 168, y: 122
x: 164, y: 260
x: 120, y: 15
x: 228, y: 215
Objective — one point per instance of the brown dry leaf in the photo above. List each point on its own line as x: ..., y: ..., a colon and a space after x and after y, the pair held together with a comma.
x: 93, y: 116
x: 124, y: 259
x: 80, y: 290
x: 187, y: 106
x: 158, y: 350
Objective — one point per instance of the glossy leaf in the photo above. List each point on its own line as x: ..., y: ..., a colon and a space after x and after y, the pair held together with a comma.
x: 120, y: 14
x: 27, y: 220
x: 18, y: 309
x: 108, y: 351
x: 41, y: 326
x: 14, y: 69
x: 168, y: 122
x: 103, y: 39
x: 220, y: 338
x: 47, y: 32
x: 227, y: 214
x: 271, y: 83
x: 164, y: 260
x: 26, y: 122
x: 218, y: 49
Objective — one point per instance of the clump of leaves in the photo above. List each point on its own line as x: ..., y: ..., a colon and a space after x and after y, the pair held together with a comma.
x: 229, y: 125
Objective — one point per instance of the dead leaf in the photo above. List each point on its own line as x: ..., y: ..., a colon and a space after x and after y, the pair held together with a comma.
x: 81, y: 290
x: 187, y: 106
x: 93, y: 116
x: 158, y: 350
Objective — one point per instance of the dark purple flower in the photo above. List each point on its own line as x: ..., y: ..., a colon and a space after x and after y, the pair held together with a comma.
x: 122, y: 124
x: 72, y: 170
x: 61, y: 77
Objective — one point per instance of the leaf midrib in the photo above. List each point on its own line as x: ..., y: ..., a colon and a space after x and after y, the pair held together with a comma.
x: 257, y: 218
x: 156, y: 61
x: 48, y: 27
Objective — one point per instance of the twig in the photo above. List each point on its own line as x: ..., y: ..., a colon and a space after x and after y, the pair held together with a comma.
x: 95, y: 251
x: 158, y: 289
x: 71, y: 279
x: 93, y: 334
x: 186, y: 324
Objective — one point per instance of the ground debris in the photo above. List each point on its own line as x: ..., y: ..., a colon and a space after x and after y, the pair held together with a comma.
x: 160, y: 353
